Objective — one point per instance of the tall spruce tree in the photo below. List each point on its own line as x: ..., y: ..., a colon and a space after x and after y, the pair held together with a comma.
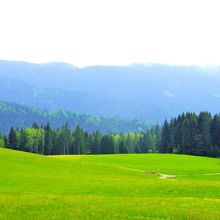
x: 122, y: 147
x: 165, y: 138
x: 185, y: 137
x: 107, y: 145
x: 12, y: 139
x: 215, y: 131
x: 193, y: 134
x: 204, y: 125
x: 79, y: 138
x: 96, y: 143
x: 47, y: 149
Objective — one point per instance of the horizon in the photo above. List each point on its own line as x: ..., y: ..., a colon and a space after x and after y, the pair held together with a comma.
x: 205, y: 66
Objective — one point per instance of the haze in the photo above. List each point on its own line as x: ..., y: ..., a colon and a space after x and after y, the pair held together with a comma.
x: 111, y: 32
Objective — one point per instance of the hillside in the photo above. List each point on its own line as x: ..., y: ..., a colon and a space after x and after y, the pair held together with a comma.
x: 148, y: 92
x: 108, y: 186
x: 20, y: 116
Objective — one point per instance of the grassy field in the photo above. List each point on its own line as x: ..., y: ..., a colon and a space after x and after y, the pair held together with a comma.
x: 108, y: 187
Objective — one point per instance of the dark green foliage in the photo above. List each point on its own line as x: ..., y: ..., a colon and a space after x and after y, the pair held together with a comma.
x: 12, y: 139
x: 80, y: 140
x: 23, y: 140
x: 192, y: 134
x: 122, y: 147
x: 95, y: 140
x: 45, y: 140
x: 47, y: 149
x: 215, y: 131
x: 188, y: 134
x: 185, y: 136
x: 204, y: 132
x: 107, y: 145
x: 165, y: 138
x: 137, y: 149
x: 146, y: 142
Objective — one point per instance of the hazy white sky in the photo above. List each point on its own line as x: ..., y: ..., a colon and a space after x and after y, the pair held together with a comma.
x: 120, y: 32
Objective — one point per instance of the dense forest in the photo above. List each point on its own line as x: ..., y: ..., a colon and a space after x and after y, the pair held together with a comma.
x: 192, y: 134
x: 21, y: 116
x: 186, y: 134
x: 45, y: 140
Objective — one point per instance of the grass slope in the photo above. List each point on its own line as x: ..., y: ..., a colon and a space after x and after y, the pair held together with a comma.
x: 108, y: 187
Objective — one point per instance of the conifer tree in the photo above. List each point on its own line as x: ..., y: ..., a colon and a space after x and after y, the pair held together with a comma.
x: 48, y: 140
x: 165, y: 138
x: 122, y: 147
x: 12, y: 139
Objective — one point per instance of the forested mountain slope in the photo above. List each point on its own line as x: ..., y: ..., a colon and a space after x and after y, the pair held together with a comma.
x: 150, y: 92
x: 19, y: 116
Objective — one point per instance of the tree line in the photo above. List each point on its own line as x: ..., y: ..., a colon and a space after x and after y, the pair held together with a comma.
x: 64, y: 140
x: 186, y: 134
x: 192, y: 134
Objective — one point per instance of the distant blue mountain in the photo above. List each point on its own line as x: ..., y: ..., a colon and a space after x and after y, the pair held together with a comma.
x: 150, y: 92
x: 20, y: 116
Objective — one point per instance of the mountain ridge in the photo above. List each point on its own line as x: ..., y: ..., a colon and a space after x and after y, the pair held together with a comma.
x: 20, y: 116
x: 147, y: 92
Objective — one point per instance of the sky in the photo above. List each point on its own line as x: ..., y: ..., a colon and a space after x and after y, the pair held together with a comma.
x: 111, y: 32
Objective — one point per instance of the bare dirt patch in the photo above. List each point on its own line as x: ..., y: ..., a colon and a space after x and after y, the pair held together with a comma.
x: 150, y: 172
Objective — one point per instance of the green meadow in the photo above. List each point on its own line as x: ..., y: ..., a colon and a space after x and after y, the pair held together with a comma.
x: 108, y: 186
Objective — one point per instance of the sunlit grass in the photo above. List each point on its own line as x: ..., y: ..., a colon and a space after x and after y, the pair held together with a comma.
x: 108, y: 187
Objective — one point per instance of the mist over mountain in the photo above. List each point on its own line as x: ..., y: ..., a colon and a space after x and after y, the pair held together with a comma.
x: 20, y: 116
x: 151, y: 92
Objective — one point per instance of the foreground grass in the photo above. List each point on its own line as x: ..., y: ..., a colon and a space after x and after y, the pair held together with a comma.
x: 108, y: 187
